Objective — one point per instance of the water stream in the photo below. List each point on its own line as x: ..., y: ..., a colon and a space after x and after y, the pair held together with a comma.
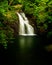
x: 28, y: 47
x: 24, y: 22
x: 26, y: 38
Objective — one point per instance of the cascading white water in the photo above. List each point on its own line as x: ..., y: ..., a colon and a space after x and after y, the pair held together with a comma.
x: 26, y: 40
x: 30, y: 30
x: 21, y: 26
x: 23, y: 21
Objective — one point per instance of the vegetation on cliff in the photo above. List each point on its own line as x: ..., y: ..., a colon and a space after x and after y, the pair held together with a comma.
x: 39, y: 10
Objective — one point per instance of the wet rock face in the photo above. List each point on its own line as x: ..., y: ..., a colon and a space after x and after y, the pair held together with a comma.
x: 13, y: 27
x: 32, y: 21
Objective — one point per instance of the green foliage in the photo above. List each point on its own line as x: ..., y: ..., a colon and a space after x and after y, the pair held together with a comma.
x: 11, y: 16
x: 3, y: 6
x: 40, y: 9
x: 49, y: 34
x: 5, y: 33
x: 3, y: 38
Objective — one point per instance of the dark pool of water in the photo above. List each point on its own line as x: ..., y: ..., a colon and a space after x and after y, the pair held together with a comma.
x: 26, y: 50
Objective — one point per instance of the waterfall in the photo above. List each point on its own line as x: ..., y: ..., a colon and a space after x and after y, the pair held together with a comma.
x: 23, y: 21
x: 21, y: 26
x: 25, y: 39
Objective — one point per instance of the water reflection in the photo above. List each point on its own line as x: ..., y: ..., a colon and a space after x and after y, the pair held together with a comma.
x: 27, y: 50
x: 26, y: 45
x: 25, y: 41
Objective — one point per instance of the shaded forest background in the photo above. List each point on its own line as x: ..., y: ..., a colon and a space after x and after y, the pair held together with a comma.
x: 38, y: 12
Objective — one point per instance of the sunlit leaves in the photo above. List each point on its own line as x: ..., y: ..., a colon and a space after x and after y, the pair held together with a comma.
x: 37, y: 1
x: 50, y: 4
x: 2, y: 10
x: 11, y: 16
x: 4, y: 7
x: 4, y: 4
x: 45, y: 0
